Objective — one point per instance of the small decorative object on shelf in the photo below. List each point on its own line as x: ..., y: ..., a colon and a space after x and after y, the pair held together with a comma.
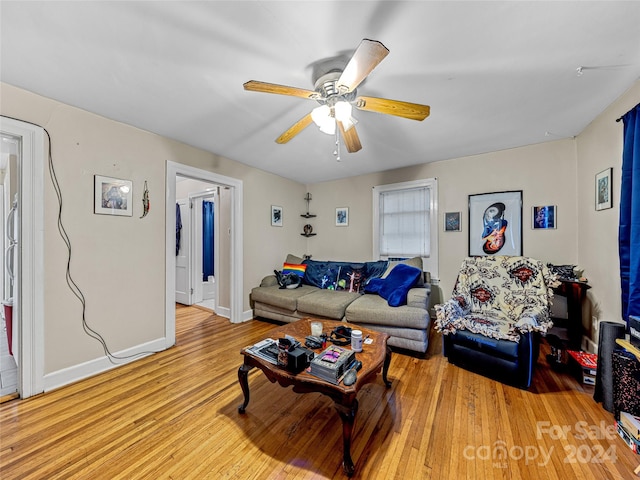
x: 307, y: 199
x: 307, y: 229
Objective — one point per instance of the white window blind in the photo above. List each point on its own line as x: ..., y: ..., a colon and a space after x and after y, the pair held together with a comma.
x: 404, y: 223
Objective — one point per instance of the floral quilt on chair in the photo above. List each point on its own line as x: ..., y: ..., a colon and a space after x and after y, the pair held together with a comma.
x: 499, y: 297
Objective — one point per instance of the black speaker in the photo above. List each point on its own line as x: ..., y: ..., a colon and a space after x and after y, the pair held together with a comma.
x: 608, y: 333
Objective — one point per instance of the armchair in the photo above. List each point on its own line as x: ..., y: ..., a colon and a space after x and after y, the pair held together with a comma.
x: 498, y: 310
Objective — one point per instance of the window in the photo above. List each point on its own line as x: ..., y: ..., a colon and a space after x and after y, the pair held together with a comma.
x: 405, y: 222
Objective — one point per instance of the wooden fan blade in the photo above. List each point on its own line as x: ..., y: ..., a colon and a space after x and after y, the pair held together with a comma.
x: 350, y: 137
x: 413, y: 111
x: 366, y: 57
x: 295, y: 129
x: 256, y: 86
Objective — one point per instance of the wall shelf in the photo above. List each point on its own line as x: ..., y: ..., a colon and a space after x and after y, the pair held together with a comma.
x: 308, y: 229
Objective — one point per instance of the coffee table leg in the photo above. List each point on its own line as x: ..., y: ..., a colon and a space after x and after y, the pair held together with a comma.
x: 243, y: 374
x: 348, y: 416
x: 385, y: 368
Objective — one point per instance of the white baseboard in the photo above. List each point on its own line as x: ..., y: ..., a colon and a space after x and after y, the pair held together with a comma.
x: 226, y: 313
x: 88, y: 369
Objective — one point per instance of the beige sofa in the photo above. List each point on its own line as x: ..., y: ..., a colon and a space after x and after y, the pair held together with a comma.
x: 408, y: 325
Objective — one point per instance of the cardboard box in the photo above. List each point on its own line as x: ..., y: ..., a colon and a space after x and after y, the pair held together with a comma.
x: 584, y: 366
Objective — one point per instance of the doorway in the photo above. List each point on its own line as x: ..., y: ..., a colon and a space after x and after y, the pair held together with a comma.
x: 234, y: 233
x: 28, y: 260
x: 198, y: 245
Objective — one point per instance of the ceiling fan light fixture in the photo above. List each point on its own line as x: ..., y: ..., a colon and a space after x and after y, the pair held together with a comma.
x: 322, y: 117
x: 343, y: 114
x: 343, y: 111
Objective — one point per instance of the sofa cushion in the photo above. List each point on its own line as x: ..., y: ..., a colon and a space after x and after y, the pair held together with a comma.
x: 373, y: 309
x: 396, y: 285
x: 283, y: 298
x: 293, y: 259
x: 414, y: 262
x: 327, y: 303
x: 418, y: 335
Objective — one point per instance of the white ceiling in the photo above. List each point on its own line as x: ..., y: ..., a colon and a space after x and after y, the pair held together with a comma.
x: 497, y: 75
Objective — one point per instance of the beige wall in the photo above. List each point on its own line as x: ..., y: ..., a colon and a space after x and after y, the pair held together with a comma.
x: 599, y: 147
x: 546, y: 173
x: 560, y: 173
x: 119, y: 262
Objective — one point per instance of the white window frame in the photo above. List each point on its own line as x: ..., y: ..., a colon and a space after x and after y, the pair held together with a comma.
x: 430, y: 263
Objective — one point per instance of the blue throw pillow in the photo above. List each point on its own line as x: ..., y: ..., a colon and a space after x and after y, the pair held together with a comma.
x: 396, y: 286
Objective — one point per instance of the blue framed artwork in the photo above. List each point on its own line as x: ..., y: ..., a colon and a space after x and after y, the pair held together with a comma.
x: 452, y: 222
x: 543, y: 217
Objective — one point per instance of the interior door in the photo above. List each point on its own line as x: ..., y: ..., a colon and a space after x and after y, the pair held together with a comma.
x: 183, y: 257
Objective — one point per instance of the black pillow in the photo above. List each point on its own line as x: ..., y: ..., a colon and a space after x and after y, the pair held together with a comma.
x: 288, y: 280
x: 563, y: 271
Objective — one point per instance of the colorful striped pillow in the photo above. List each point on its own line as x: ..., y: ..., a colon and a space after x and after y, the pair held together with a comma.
x: 298, y: 269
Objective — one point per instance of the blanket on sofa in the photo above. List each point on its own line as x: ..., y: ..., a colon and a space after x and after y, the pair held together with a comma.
x: 348, y: 276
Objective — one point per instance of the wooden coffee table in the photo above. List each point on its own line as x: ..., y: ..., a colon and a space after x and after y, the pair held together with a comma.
x: 374, y: 357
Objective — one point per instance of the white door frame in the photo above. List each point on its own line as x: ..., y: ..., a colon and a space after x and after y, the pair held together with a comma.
x: 29, y: 287
x: 236, y: 280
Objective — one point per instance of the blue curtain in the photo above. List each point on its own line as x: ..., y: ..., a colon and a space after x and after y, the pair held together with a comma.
x: 629, y: 232
x: 207, y: 239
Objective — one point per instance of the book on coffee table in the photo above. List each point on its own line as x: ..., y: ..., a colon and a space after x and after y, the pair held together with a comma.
x: 332, y: 363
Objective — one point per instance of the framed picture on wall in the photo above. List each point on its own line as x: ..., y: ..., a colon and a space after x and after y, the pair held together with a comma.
x: 452, y: 222
x: 112, y: 196
x: 495, y: 223
x: 342, y: 217
x: 543, y: 217
x: 276, y: 216
x: 603, y: 189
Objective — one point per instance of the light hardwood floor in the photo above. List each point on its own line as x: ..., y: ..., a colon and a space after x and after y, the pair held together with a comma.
x: 174, y: 416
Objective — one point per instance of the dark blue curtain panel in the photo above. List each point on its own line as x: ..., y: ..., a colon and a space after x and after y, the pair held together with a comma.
x: 207, y: 240
x: 629, y: 230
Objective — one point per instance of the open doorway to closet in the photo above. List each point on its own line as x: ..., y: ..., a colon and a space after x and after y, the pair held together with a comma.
x: 198, y: 219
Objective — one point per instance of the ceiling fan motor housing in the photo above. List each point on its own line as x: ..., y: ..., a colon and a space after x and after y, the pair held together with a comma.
x: 328, y: 89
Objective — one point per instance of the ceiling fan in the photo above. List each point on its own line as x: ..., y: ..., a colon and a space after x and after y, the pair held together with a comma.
x: 336, y: 93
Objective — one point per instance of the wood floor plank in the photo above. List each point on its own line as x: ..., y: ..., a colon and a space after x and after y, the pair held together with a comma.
x: 173, y: 415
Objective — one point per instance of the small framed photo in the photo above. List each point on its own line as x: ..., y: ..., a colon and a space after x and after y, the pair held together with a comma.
x: 276, y: 216
x: 543, y: 217
x: 342, y: 216
x: 603, y: 189
x: 112, y: 196
x: 452, y: 222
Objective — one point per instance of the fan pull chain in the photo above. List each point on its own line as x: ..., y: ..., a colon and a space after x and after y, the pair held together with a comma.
x: 336, y: 152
